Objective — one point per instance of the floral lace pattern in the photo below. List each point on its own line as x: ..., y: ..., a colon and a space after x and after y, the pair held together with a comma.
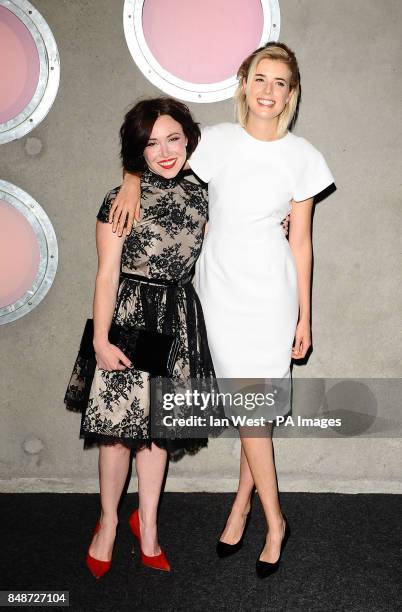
x: 167, y: 240
x: 164, y: 245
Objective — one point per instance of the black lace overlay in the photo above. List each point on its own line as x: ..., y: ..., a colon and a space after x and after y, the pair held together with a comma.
x: 164, y: 244
x: 167, y: 240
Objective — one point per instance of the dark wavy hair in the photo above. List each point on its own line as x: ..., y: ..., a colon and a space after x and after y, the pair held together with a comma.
x: 138, y: 124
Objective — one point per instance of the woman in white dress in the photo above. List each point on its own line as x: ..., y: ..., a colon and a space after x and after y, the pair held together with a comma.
x: 254, y: 285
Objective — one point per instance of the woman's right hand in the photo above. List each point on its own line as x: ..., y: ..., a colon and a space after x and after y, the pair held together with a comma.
x: 285, y: 225
x: 109, y: 357
x: 126, y: 206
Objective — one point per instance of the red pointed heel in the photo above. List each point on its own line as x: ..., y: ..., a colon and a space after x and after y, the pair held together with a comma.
x: 97, y: 567
x: 156, y: 562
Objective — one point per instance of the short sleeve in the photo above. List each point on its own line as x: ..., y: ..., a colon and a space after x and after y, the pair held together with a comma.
x: 209, y: 155
x: 312, y: 174
x: 103, y: 214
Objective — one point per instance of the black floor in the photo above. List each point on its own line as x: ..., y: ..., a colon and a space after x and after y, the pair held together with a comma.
x: 344, y: 554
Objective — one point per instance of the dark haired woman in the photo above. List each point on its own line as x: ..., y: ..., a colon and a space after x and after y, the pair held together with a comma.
x: 254, y: 285
x: 143, y: 282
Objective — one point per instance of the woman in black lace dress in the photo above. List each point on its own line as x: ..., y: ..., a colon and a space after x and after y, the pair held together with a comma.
x: 143, y: 281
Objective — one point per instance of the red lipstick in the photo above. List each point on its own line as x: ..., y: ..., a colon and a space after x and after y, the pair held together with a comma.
x: 164, y: 163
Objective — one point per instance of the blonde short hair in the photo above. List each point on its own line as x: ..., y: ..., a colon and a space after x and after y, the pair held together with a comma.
x: 274, y: 51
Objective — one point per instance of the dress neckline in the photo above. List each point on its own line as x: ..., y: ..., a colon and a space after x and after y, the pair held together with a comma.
x: 264, y: 142
x: 160, y: 181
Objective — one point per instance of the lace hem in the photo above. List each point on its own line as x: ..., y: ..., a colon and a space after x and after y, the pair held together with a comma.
x: 176, y: 448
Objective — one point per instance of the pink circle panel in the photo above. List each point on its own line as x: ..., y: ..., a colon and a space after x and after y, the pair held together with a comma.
x: 202, y: 41
x: 19, y: 65
x: 19, y: 255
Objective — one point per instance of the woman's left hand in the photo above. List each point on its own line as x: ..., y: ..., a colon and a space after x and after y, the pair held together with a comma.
x: 302, y: 339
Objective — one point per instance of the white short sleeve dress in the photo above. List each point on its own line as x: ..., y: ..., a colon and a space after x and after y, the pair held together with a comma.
x: 246, y: 275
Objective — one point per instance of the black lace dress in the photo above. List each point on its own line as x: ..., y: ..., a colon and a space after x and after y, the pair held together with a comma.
x: 164, y: 244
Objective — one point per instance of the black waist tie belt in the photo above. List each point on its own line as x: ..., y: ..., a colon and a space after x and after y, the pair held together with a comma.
x: 156, y: 281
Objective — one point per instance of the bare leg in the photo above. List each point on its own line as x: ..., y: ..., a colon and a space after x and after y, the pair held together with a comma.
x: 113, y: 468
x: 241, y: 505
x: 259, y: 453
x: 150, y: 464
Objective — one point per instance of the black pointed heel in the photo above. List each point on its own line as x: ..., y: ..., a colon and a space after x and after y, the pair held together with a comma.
x: 226, y: 550
x: 265, y: 569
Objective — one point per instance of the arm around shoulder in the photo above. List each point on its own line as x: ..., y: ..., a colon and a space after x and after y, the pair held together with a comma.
x: 126, y: 205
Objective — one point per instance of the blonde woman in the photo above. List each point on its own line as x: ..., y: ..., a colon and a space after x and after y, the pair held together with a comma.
x: 254, y: 285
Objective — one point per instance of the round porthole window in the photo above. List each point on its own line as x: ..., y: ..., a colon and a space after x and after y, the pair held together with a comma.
x: 28, y: 253
x: 191, y: 49
x: 29, y: 69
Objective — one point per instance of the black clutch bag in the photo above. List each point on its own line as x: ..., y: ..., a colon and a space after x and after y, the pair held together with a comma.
x: 148, y: 351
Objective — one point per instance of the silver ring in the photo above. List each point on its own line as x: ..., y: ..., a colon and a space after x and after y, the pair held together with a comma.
x: 168, y: 82
x: 49, y: 72
x: 48, y: 251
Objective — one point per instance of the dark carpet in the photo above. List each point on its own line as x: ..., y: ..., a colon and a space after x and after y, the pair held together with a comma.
x: 344, y: 554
